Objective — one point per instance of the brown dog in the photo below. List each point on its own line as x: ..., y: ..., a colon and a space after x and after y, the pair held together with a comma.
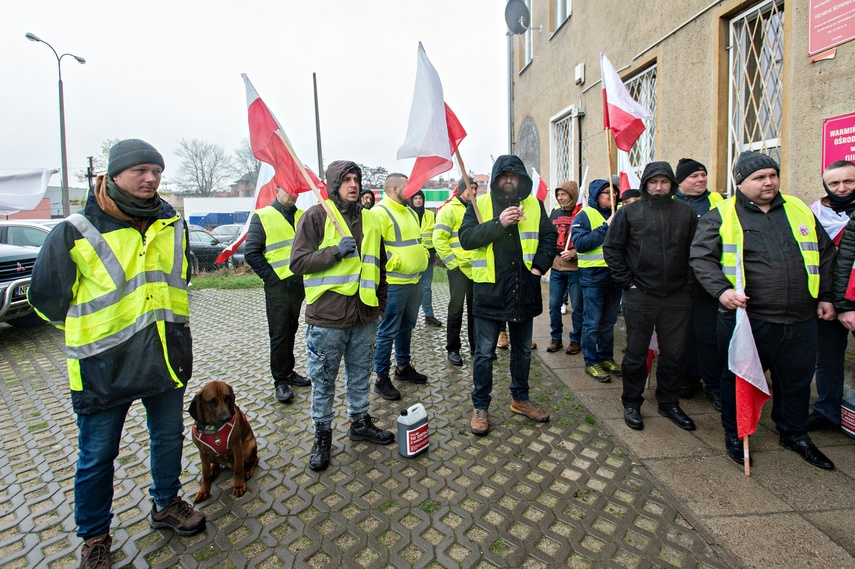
x: 223, y: 436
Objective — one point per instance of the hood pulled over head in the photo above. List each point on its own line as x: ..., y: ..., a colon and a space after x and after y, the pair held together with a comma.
x: 513, y: 164
x: 572, y: 189
x: 658, y: 169
x: 596, y: 187
x: 336, y: 172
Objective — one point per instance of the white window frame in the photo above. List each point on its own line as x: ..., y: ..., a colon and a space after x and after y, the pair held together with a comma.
x: 563, y: 124
x: 527, y: 38
x: 563, y: 11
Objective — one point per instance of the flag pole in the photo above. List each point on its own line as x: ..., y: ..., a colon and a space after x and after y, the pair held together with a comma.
x: 611, y: 188
x: 746, y: 455
x: 468, y: 183
x: 309, y: 181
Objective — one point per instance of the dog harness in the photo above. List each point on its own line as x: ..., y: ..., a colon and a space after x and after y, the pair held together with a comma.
x: 217, y: 439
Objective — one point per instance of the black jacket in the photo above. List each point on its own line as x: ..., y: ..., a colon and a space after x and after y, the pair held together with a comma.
x: 775, y: 276
x: 515, y: 296
x: 647, y: 244
x: 843, y: 269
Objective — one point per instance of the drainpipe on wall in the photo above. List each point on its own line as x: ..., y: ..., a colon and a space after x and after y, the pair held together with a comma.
x: 510, y: 94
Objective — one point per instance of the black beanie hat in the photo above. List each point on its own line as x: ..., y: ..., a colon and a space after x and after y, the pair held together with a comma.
x: 129, y: 153
x: 750, y: 162
x: 687, y: 166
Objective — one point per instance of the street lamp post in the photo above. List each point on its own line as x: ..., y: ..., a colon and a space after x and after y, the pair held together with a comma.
x: 66, y: 206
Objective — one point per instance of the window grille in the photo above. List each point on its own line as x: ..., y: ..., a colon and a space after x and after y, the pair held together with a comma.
x: 562, y: 145
x: 642, y: 88
x: 756, y: 85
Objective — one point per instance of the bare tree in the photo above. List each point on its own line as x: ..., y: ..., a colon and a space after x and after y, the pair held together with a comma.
x: 99, y: 160
x: 205, y: 167
x: 246, y: 164
x: 373, y: 176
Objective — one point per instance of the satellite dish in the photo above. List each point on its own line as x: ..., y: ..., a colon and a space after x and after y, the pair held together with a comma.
x: 517, y: 17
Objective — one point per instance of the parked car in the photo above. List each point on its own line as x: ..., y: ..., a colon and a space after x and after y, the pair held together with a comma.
x: 16, y: 266
x: 228, y: 233
x: 204, y: 249
x: 26, y: 232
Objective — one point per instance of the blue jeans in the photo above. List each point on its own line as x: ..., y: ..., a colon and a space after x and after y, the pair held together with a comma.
x: 486, y: 337
x: 598, y: 322
x: 425, y: 282
x: 325, y: 348
x: 402, y: 311
x: 560, y: 283
x: 831, y: 351
x: 98, y: 444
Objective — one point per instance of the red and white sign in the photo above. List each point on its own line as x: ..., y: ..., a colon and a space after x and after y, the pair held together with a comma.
x: 417, y: 439
x: 838, y: 139
x: 831, y: 23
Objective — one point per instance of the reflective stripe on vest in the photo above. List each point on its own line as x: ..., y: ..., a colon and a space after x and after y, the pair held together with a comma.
x: 118, y: 297
x: 802, y: 224
x: 409, y: 251
x: 428, y: 220
x: 594, y: 257
x: 483, y: 260
x: 276, y: 227
x: 352, y: 273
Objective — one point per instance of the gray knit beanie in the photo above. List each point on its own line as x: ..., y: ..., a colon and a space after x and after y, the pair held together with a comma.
x: 750, y: 162
x: 129, y: 153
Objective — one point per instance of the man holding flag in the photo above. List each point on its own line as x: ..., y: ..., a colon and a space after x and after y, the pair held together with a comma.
x: 775, y: 246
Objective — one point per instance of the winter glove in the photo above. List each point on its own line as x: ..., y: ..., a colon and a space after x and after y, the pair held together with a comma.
x: 346, y: 246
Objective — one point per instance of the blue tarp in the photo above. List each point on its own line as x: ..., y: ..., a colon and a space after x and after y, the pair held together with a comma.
x: 215, y: 219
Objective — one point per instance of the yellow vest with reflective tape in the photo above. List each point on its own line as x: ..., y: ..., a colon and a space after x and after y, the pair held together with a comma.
x: 279, y: 237
x: 122, y: 289
x: 594, y: 257
x: 483, y: 261
x: 714, y: 199
x: 359, y: 271
x: 428, y: 222
x: 802, y: 224
x: 406, y: 257
x: 446, y: 241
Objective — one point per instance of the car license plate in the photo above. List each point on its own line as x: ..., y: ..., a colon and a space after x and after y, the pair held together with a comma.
x: 21, y: 290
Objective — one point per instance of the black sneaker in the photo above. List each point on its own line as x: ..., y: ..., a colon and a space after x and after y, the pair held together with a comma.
x: 298, y: 380
x: 179, y: 516
x: 409, y: 373
x: 364, y: 430
x: 432, y: 321
x: 386, y: 390
x: 283, y: 393
x: 320, y: 457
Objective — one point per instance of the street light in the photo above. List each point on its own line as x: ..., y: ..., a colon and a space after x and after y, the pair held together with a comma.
x: 66, y: 206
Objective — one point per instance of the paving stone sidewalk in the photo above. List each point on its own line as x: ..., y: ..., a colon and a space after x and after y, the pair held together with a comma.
x: 560, y: 494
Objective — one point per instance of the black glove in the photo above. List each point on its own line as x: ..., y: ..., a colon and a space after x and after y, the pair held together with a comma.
x: 346, y: 246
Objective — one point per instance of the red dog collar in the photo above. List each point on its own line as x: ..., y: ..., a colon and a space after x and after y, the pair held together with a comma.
x: 216, y: 440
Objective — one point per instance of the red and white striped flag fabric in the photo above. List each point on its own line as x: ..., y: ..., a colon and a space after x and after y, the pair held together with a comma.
x: 538, y: 186
x: 433, y: 132
x: 628, y: 179
x: 833, y: 222
x: 621, y: 113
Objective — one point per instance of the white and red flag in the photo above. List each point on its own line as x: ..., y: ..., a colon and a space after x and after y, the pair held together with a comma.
x: 268, y: 142
x: 433, y: 132
x: 752, y: 391
x: 621, y: 113
x: 628, y: 179
x: 538, y: 186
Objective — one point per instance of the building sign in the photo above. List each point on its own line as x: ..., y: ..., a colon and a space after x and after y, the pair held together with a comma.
x: 838, y: 139
x: 832, y: 22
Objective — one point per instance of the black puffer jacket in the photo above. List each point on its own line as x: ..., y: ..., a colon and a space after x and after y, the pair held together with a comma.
x: 647, y: 244
x: 843, y: 269
x: 515, y: 296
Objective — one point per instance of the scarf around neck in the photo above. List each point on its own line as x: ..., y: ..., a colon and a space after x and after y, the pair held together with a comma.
x: 130, y: 206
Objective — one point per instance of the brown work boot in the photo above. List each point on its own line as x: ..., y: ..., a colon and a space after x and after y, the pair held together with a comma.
x: 529, y: 410
x: 480, y: 422
x: 179, y: 516
x: 504, y: 341
x: 573, y: 348
x: 96, y: 552
x: 533, y: 345
x: 554, y: 345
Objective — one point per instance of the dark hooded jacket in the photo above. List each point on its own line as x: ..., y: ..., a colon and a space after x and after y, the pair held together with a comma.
x: 515, y: 296
x: 648, y: 241
x: 584, y: 239
x: 333, y: 310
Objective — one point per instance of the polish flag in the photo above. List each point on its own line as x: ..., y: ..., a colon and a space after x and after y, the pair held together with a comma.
x: 628, y: 179
x: 433, y: 132
x: 752, y: 391
x: 621, y: 113
x: 834, y: 223
x: 539, y: 186
x: 652, y: 352
x: 279, y: 168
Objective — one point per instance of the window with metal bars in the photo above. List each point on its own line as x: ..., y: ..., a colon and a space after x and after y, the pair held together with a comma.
x: 562, y: 150
x: 755, y: 104
x: 642, y: 88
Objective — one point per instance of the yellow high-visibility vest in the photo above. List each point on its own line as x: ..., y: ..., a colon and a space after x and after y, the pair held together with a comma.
x: 802, y: 224
x: 446, y: 240
x: 594, y: 257
x: 483, y: 261
x: 358, y: 272
x: 279, y: 237
x: 406, y: 257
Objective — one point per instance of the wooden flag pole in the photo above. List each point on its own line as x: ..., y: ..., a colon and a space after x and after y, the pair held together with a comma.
x: 611, y: 189
x: 311, y: 183
x: 746, y: 455
x: 468, y: 183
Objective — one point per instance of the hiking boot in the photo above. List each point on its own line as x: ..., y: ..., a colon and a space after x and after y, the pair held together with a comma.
x: 533, y: 345
x: 573, y: 348
x: 529, y: 410
x: 598, y: 373
x: 299, y: 380
x: 364, y: 430
x: 409, y: 373
x: 554, y: 345
x: 611, y: 366
x: 480, y: 422
x: 386, y: 390
x: 433, y: 321
x: 320, y: 457
x: 503, y: 341
x: 283, y: 393
x: 96, y: 553
x: 179, y: 516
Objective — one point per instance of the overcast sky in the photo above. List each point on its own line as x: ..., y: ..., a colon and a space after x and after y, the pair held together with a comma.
x: 164, y: 70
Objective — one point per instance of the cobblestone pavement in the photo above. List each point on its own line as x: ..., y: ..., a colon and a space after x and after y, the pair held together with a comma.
x: 559, y: 494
